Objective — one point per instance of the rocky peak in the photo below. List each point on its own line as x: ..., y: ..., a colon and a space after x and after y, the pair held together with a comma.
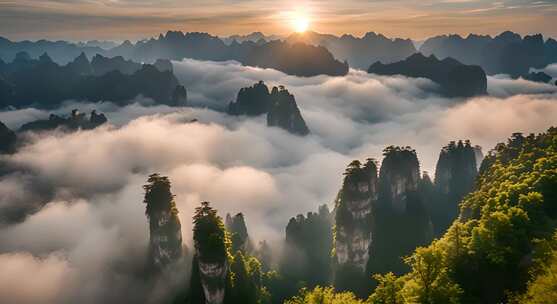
x: 354, y: 218
x: 309, y: 241
x: 251, y: 101
x: 102, y: 65
x: 398, y: 177
x: 80, y: 65
x: 236, y: 226
x: 455, y: 176
x: 354, y: 206
x: 164, y: 65
x: 165, y: 242
x: 456, y: 169
x: 45, y: 58
x: 284, y: 112
x: 210, y: 263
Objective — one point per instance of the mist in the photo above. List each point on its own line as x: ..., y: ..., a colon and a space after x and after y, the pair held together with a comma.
x: 86, y: 233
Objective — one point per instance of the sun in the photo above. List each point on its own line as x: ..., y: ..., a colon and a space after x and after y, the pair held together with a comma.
x: 301, y: 24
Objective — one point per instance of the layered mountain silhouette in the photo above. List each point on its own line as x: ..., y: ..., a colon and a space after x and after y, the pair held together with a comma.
x: 258, y: 37
x: 359, y: 52
x: 75, y: 121
x: 291, y: 58
x: 507, y: 53
x: 44, y: 83
x: 455, y: 79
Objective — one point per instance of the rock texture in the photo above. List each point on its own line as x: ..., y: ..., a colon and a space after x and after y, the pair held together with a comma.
x: 354, y: 217
x: 165, y: 234
x: 455, y: 176
x: 210, y: 263
x: 455, y: 78
x: 400, y: 219
x: 398, y: 178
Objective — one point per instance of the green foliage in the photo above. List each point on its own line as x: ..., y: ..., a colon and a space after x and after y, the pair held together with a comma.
x: 209, y: 234
x: 429, y: 283
x: 543, y: 288
x: 324, y: 295
x: 388, y: 290
x: 165, y: 244
x: 158, y: 196
x: 486, y: 255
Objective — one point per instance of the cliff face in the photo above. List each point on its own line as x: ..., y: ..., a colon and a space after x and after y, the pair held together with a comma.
x: 401, y: 220
x: 398, y: 178
x: 284, y: 113
x: 307, y: 252
x: 455, y: 176
x: 165, y: 243
x: 211, y: 268
x: 236, y: 226
x: 354, y: 221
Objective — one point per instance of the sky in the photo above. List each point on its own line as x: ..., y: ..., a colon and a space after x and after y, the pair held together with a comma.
x: 137, y: 19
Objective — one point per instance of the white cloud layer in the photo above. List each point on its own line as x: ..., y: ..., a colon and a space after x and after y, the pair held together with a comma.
x: 92, y: 235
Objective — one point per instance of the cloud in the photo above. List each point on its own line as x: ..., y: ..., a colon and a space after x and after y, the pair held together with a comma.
x: 82, y: 191
x: 27, y: 279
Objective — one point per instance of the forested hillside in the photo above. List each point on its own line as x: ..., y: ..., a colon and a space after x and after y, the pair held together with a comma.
x: 501, y: 249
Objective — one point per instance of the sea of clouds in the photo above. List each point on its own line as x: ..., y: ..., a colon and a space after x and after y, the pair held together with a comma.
x: 85, y: 234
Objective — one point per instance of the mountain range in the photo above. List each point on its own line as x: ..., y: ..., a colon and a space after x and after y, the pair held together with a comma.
x: 310, y: 53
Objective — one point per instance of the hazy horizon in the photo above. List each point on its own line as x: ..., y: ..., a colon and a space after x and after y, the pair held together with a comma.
x: 134, y: 20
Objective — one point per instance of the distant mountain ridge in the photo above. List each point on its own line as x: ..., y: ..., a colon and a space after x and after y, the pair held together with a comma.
x: 506, y: 53
x: 291, y: 58
x: 46, y: 84
x: 294, y: 59
x: 456, y: 79
x: 359, y: 52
